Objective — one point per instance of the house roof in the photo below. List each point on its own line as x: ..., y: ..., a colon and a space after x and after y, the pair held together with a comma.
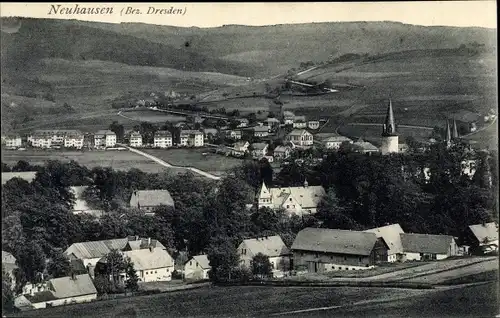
x: 288, y: 113
x: 281, y: 149
x: 163, y: 133
x: 260, y: 129
x: 390, y: 234
x: 337, y: 139
x: 97, y: 249
x: 335, y: 241
x: 298, y: 132
x: 365, y: 145
x: 151, y: 198
x: 191, y: 132
x: 240, y: 144
x: 484, y: 232
x: 306, y: 197
x: 8, y: 258
x: 104, y: 133
x: 425, y: 243
x: 66, y: 287
x: 272, y: 120
x: 259, y: 146
x: 25, y: 175
x: 243, y: 120
x: 271, y: 246
x: 150, y: 258
x: 203, y: 261
x: 210, y: 130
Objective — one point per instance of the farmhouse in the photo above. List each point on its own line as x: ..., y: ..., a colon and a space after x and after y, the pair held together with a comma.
x: 135, y: 139
x: 12, y: 141
x: 260, y: 131
x: 104, y: 139
x: 28, y: 176
x: 427, y: 246
x: 147, y: 200
x: 334, y: 142
x: 481, y: 238
x: 91, y: 252
x: 162, y: 139
x: 313, y: 124
x: 271, y: 246
x: 282, y: 152
x: 300, y: 137
x: 322, y: 250
x: 391, y: 235
x: 191, y: 138
x: 80, y: 205
x: 9, y: 265
x: 259, y: 150
x: 197, y: 267
x: 61, y: 291
x: 298, y: 200
x: 365, y: 146
x: 153, y: 264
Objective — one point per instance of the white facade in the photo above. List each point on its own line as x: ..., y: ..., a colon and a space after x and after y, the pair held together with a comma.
x: 196, y: 140
x: 163, y: 141
x: 74, y: 142
x: 300, y: 138
x: 300, y: 124
x: 66, y: 301
x: 327, y: 262
x: 422, y: 256
x: 196, y: 270
x: 13, y: 142
x: 156, y: 274
x: 41, y: 142
x: 135, y: 140
x: 105, y: 139
x: 390, y: 144
x: 335, y: 143
x: 313, y: 124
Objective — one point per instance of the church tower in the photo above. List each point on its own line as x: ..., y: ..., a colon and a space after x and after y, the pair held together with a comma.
x: 448, y: 137
x: 390, y: 139
x: 454, y: 133
x: 265, y: 198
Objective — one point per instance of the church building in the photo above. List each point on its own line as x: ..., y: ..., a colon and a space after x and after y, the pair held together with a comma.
x: 390, y: 139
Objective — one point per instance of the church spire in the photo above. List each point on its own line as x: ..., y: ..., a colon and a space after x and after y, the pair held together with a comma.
x: 454, y: 134
x: 389, y: 128
x: 264, y: 192
x: 448, y: 133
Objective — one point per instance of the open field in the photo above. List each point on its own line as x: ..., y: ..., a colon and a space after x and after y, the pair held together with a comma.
x: 211, y: 163
x: 151, y: 116
x: 119, y: 160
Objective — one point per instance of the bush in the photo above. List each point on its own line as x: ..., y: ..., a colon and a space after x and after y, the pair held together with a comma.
x: 176, y: 274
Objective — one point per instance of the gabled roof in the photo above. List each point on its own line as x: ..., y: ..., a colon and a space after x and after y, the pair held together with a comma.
x: 272, y: 120
x: 282, y: 149
x: 163, y: 133
x: 260, y: 129
x: 335, y: 241
x: 8, y: 258
x: 299, y: 132
x: 151, y: 198
x: 41, y: 297
x: 25, y: 175
x: 390, y: 234
x: 337, y: 139
x: 259, y: 146
x: 66, y: 287
x: 484, y: 232
x: 104, y: 133
x: 191, y: 132
x: 98, y: 249
x: 203, y: 261
x: 425, y: 243
x: 307, y: 197
x: 271, y: 246
x: 365, y: 145
x: 150, y: 258
x: 240, y: 144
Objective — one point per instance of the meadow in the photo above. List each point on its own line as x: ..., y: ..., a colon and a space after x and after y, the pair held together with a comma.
x: 212, y: 163
x: 119, y: 160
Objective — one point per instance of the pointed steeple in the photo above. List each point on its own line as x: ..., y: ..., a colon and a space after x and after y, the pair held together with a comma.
x: 264, y: 192
x: 448, y: 134
x: 389, y: 128
x: 454, y: 134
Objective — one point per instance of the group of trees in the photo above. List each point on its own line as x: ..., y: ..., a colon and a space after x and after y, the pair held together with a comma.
x: 108, y: 274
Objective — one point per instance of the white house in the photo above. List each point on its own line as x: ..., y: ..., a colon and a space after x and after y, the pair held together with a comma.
x: 334, y: 142
x: 148, y: 200
x: 104, y: 139
x: 61, y: 291
x: 271, y: 246
x: 365, y: 146
x: 162, y: 139
x: 191, y: 138
x: 391, y: 235
x: 282, y: 152
x: 300, y: 137
x: 135, y: 139
x: 427, y: 246
x: 259, y: 149
x: 260, y: 131
x: 272, y: 122
x: 240, y: 148
x: 12, y: 141
x: 298, y: 200
x: 299, y: 122
x: 153, y: 264
x: 233, y: 134
x: 197, y: 267
x: 74, y: 139
x: 313, y: 124
x: 40, y: 140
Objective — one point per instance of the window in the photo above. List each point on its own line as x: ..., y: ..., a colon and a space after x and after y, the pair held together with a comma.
x: 190, y: 263
x: 317, y: 255
x: 345, y: 258
x: 288, y: 207
x: 360, y: 259
x: 146, y: 273
x: 156, y: 272
x: 290, y: 199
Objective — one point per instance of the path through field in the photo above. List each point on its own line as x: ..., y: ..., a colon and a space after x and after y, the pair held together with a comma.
x: 168, y: 165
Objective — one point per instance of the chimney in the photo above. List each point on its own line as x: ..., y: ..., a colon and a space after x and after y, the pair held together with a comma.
x: 149, y: 241
x: 137, y: 237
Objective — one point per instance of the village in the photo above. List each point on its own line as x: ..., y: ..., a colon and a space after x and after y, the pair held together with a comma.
x: 135, y: 261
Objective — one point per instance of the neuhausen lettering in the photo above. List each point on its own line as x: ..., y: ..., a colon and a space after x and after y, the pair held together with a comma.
x: 76, y: 9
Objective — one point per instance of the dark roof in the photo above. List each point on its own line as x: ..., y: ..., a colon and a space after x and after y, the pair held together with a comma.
x: 41, y: 297
x: 425, y: 243
x: 335, y: 241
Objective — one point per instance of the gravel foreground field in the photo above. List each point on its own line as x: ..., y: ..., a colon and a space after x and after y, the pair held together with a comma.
x: 477, y: 301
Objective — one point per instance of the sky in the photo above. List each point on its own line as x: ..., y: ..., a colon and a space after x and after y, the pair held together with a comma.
x: 427, y: 13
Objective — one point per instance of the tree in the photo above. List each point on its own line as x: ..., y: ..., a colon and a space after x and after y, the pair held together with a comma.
x: 261, y: 266
x: 58, y: 265
x: 118, y: 129
x: 31, y: 260
x: 7, y: 294
x: 115, y: 265
x: 5, y: 167
x: 102, y: 284
x: 132, y: 278
x: 223, y: 257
